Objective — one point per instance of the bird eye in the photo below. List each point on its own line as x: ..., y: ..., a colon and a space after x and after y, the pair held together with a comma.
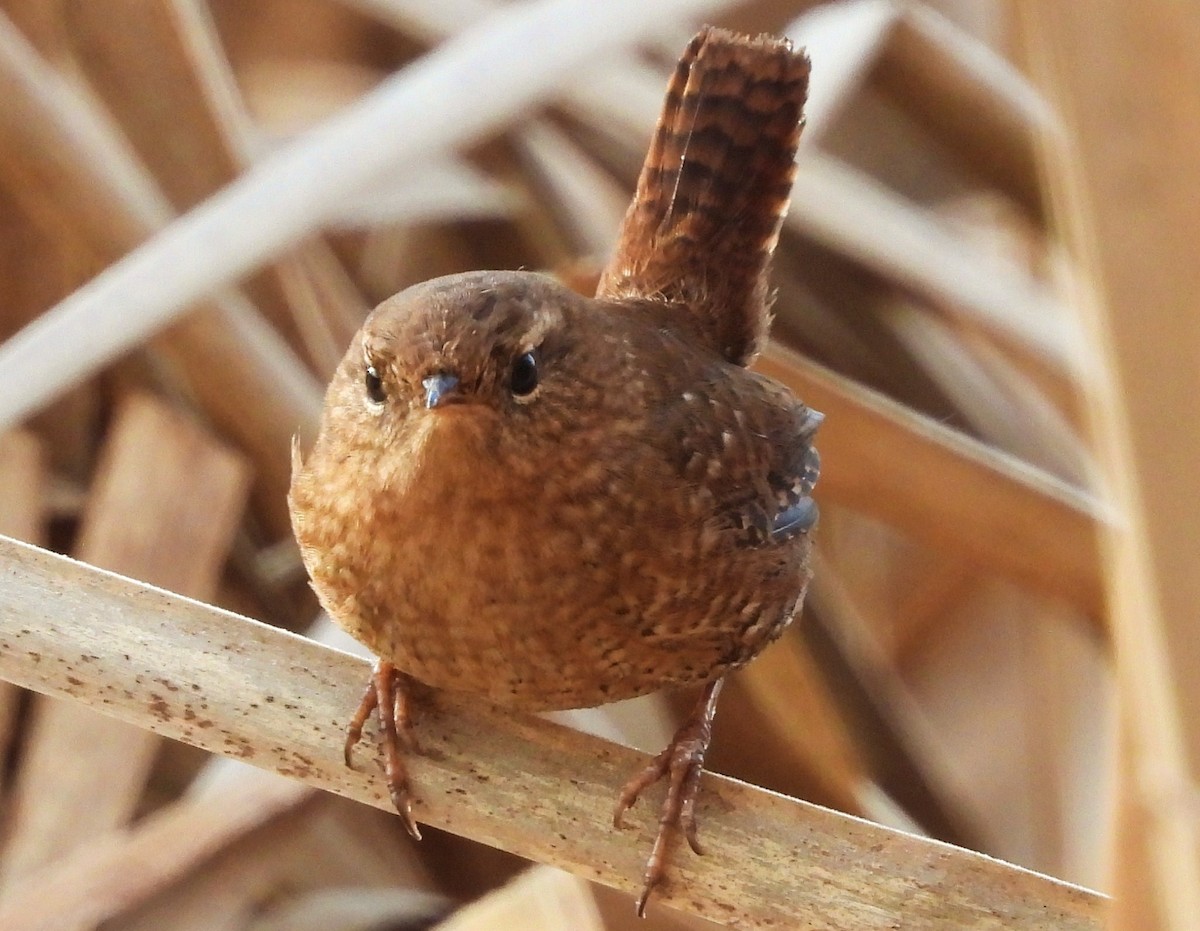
x: 524, y: 378
x: 374, y: 385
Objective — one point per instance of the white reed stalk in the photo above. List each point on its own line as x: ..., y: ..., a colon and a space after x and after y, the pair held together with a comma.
x: 830, y: 203
x: 469, y: 86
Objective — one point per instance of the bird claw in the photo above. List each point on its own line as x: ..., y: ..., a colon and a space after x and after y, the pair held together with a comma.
x: 682, y: 763
x: 355, y: 728
x: 402, y: 801
x: 642, y: 899
x: 387, y: 694
x: 689, y: 827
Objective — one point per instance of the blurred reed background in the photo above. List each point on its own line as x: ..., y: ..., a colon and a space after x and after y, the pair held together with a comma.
x: 990, y: 528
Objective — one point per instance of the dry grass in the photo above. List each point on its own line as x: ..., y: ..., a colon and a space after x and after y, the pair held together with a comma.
x: 198, y: 204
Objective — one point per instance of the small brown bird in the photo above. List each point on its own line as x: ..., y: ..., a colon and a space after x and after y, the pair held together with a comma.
x: 552, y: 501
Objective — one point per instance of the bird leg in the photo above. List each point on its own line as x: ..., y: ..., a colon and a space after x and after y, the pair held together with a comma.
x: 683, y: 762
x: 387, y: 693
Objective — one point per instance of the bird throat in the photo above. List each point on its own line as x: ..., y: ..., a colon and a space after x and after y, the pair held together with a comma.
x: 447, y: 445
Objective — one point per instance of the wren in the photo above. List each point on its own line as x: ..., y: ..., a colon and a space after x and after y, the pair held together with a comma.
x: 552, y: 501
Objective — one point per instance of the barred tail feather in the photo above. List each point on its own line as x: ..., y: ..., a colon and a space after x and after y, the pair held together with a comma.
x: 715, y: 187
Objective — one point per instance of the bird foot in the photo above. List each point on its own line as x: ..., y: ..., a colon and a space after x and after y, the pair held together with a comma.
x: 387, y: 693
x: 682, y: 762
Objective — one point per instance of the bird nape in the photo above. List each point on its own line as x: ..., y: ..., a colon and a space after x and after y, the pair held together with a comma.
x: 553, y: 501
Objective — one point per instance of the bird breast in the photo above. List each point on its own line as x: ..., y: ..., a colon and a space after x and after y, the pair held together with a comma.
x: 540, y: 576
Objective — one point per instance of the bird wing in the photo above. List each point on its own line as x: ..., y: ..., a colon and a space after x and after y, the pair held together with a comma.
x: 745, y: 445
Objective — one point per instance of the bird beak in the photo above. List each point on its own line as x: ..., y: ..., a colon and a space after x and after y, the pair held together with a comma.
x: 441, y: 388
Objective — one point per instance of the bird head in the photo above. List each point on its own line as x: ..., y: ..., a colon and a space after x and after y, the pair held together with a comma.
x: 487, y: 340
x: 484, y: 358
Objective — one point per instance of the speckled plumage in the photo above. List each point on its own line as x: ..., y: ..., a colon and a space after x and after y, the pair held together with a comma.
x: 601, y: 540
x: 641, y: 517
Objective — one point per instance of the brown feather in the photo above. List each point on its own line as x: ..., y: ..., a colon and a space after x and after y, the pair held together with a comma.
x: 554, y: 501
x: 715, y: 187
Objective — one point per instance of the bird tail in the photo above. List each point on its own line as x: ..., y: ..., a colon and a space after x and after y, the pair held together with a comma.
x: 715, y: 187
